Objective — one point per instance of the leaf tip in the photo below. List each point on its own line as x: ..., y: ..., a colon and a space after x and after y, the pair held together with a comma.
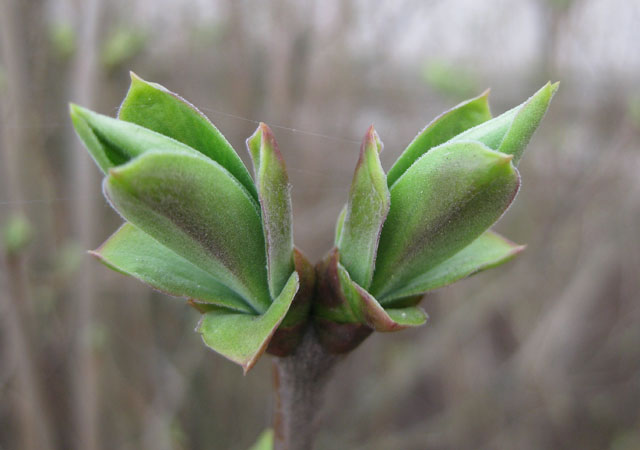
x: 195, y: 306
x: 246, y: 367
x: 254, y: 137
x: 77, y: 112
x: 518, y: 249
x: 264, y: 128
x: 503, y: 159
x: 371, y: 140
x: 269, y: 139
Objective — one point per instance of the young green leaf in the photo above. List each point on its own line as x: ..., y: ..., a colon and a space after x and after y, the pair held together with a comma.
x: 367, y: 209
x: 511, y: 132
x: 341, y: 301
x: 294, y: 324
x: 155, y: 107
x: 275, y: 202
x: 340, y: 225
x: 113, y: 142
x: 370, y: 312
x: 447, y: 125
x: 243, y: 338
x: 133, y: 252
x: 302, y: 303
x: 192, y: 205
x: 330, y: 301
x: 489, y: 250
x: 264, y: 441
x: 443, y: 202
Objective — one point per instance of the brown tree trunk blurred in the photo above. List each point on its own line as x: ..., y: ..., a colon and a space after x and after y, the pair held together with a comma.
x: 18, y: 143
x: 84, y: 224
x: 289, y: 57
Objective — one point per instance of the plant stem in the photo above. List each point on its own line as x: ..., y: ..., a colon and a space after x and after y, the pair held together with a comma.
x: 299, y: 382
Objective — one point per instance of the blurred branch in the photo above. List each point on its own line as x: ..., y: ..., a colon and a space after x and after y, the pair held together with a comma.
x: 35, y: 432
x: 85, y: 222
x: 168, y: 398
x: 34, y: 427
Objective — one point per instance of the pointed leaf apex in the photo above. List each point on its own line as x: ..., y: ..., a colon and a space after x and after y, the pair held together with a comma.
x: 371, y: 139
x: 270, y: 140
x: 263, y: 140
x: 77, y: 111
x: 247, y: 366
x: 137, y: 80
x: 113, y: 172
x: 519, y: 249
x: 264, y: 128
x: 505, y: 158
x: 196, y: 306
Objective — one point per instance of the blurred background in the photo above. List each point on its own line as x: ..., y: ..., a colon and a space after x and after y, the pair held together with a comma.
x: 543, y: 353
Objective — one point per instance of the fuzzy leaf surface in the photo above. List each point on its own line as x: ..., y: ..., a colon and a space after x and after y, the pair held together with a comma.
x: 192, y: 205
x: 367, y: 309
x: 275, y: 203
x: 340, y: 225
x: 133, y: 252
x: 155, y: 107
x: 367, y: 209
x: 511, y: 131
x: 344, y: 301
x: 442, y: 203
x: 243, y: 338
x: 488, y: 251
x: 410, y: 316
x: 446, y: 126
x: 112, y: 142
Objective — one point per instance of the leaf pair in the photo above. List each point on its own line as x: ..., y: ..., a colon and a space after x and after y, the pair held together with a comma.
x: 197, y: 225
x: 425, y: 224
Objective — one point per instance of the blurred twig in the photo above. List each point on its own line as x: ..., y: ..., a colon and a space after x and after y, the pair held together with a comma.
x: 84, y: 224
x: 34, y: 426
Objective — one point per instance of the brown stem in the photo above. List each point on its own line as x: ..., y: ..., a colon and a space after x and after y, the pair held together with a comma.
x: 299, y: 381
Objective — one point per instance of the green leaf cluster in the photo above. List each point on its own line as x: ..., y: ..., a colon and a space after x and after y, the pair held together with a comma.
x: 425, y: 224
x: 199, y: 226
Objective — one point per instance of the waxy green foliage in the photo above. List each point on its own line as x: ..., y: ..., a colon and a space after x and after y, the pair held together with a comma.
x: 365, y: 213
x: 430, y: 227
x: 198, y: 226
x: 273, y: 182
